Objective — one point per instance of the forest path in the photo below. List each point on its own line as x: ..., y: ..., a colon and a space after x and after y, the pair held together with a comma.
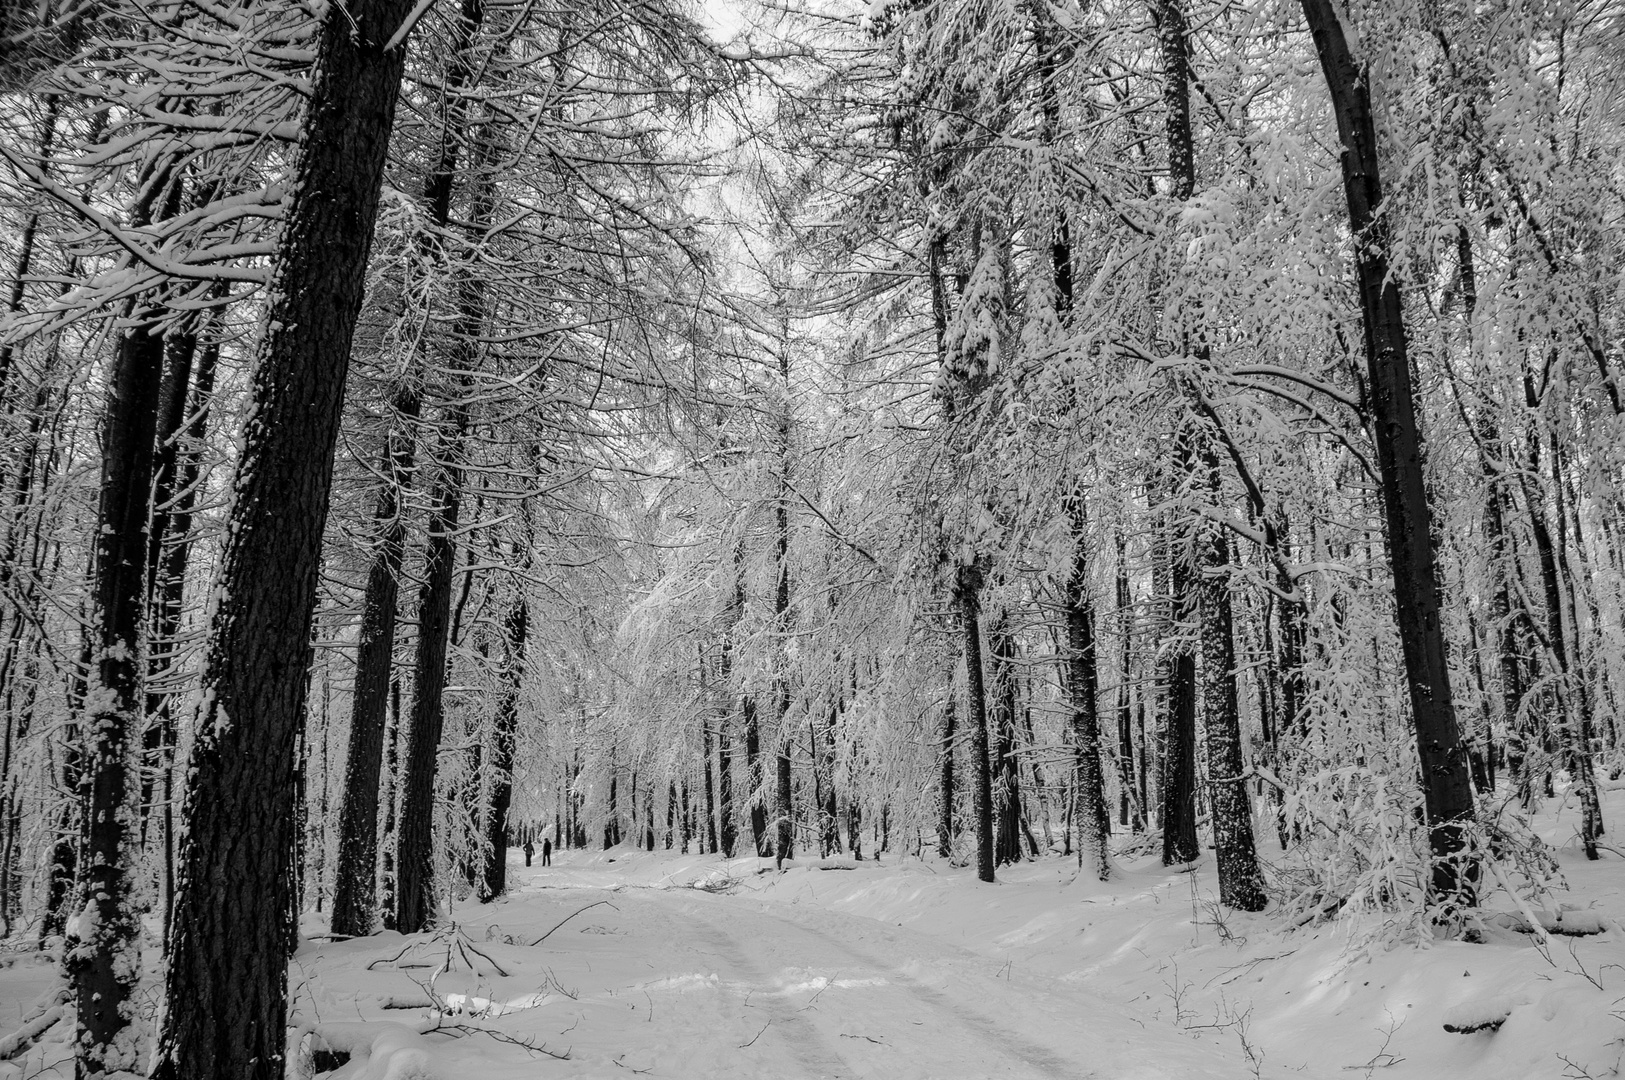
x: 681, y: 982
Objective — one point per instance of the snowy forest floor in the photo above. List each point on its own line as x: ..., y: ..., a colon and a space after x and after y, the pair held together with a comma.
x: 687, y: 966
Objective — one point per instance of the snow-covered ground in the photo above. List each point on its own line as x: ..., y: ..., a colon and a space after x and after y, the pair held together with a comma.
x: 685, y: 966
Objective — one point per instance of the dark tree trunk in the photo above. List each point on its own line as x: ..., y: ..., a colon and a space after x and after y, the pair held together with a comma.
x: 1178, y: 777
x: 671, y: 815
x: 1083, y: 684
x: 727, y: 827
x: 175, y: 497
x: 505, y: 728
x: 27, y: 241
x: 226, y: 979
x: 828, y: 803
x: 355, y: 903
x: 1565, y: 694
x: 1007, y: 778
x: 1241, y: 885
x: 968, y: 598
x: 708, y: 766
x: 753, y: 775
x: 784, y: 845
x: 1446, y: 785
x: 414, y: 870
x: 1132, y: 799
x: 1179, y: 844
x: 414, y: 886
x: 784, y: 807
x: 392, y: 794
x: 104, y: 963
x: 648, y: 816
x: 945, y: 790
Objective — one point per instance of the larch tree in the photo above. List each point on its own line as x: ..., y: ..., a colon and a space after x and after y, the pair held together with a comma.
x: 225, y: 980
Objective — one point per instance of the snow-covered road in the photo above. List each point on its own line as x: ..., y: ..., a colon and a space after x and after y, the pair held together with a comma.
x: 666, y: 980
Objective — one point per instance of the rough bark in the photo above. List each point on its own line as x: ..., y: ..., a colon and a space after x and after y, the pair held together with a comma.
x: 226, y: 981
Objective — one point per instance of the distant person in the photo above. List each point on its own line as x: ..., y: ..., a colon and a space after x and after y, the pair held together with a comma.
x: 530, y: 849
x: 547, y: 852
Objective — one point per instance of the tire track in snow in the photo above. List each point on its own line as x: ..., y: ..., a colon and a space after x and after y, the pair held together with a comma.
x: 812, y: 1048
x: 1039, y: 1058
x: 959, y: 1017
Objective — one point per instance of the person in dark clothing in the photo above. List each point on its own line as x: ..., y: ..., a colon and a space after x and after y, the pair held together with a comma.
x: 530, y: 849
x: 547, y: 852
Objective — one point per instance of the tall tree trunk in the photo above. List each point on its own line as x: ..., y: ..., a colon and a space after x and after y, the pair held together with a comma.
x: 1179, y: 844
x: 103, y: 958
x: 1178, y: 708
x: 708, y: 767
x: 1241, y: 885
x: 355, y: 903
x: 784, y: 846
x: 1447, y: 788
x: 968, y: 599
x: 753, y: 774
x: 505, y: 729
x: 226, y: 978
x: 26, y: 243
x: 727, y: 827
x: 414, y: 886
x: 1090, y: 816
x: 1565, y: 692
x: 945, y: 788
x: 1132, y: 809
x: 391, y: 782
x: 175, y: 497
x: 1007, y: 808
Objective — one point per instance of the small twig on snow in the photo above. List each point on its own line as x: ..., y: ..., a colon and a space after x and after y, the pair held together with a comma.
x: 567, y: 918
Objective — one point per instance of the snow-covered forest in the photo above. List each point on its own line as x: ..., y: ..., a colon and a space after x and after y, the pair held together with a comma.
x: 492, y: 485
